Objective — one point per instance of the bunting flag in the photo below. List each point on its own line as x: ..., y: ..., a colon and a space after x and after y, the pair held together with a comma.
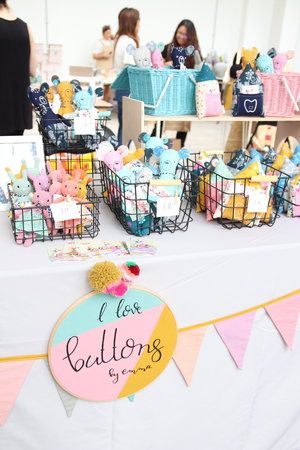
x: 131, y: 397
x: 68, y: 400
x: 186, y: 352
x: 12, y: 377
x: 285, y: 316
x: 235, y: 334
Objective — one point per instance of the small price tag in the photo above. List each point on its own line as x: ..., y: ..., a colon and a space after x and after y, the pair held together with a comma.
x: 258, y: 200
x: 67, y: 210
x: 168, y: 206
x: 84, y: 125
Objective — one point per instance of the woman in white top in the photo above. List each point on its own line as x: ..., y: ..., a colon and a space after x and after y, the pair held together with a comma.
x: 129, y: 25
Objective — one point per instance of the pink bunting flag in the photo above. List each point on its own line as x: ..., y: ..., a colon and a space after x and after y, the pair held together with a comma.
x: 12, y: 377
x: 186, y: 352
x: 235, y: 334
x: 284, y: 315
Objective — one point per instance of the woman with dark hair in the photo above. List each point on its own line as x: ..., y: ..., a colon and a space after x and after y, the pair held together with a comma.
x: 129, y: 25
x: 17, y: 57
x: 185, y: 35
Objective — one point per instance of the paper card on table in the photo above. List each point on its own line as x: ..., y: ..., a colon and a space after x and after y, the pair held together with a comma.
x: 285, y: 316
x: 84, y: 125
x: 258, y: 200
x: 142, y: 245
x: 186, y: 352
x: 235, y: 334
x: 168, y: 206
x: 66, y: 210
x: 12, y: 377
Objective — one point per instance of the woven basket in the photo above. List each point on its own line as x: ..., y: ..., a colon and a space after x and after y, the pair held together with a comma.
x: 165, y: 92
x: 281, y: 93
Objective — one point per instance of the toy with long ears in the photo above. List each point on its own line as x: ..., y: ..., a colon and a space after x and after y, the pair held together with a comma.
x: 40, y: 181
x: 21, y: 187
x: 43, y: 199
x: 55, y: 176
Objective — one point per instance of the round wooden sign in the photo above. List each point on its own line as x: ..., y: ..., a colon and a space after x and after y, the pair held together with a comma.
x: 103, y: 347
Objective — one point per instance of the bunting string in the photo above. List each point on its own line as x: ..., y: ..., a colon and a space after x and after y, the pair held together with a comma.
x: 180, y: 330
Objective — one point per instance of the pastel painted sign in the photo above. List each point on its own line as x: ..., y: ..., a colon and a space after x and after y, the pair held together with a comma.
x: 105, y: 347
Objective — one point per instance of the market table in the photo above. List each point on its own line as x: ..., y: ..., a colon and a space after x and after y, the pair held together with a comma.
x: 204, y: 273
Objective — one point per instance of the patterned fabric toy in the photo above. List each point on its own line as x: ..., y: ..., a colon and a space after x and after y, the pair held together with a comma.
x: 248, y: 94
x: 180, y: 54
x: 141, y: 56
x: 208, y: 96
x: 54, y: 125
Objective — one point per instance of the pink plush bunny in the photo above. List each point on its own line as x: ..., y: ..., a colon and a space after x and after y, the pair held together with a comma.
x: 41, y: 181
x: 114, y: 158
x: 69, y: 185
x: 56, y: 177
x: 156, y: 56
x: 44, y: 199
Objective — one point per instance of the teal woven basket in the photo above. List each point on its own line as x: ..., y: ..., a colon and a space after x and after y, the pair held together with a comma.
x: 165, y: 92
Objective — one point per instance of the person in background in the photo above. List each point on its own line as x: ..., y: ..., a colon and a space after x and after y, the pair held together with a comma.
x: 18, y: 62
x: 129, y: 25
x: 103, y: 56
x: 185, y: 35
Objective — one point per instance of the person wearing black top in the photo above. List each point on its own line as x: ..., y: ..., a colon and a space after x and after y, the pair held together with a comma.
x: 185, y: 35
x: 17, y: 62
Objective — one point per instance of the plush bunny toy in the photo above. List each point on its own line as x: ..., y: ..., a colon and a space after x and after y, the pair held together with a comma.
x: 180, y: 54
x: 21, y: 187
x: 141, y: 56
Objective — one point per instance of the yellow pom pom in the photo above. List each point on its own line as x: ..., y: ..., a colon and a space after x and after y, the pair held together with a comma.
x: 104, y: 274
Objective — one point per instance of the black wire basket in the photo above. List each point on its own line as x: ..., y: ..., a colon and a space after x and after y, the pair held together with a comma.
x: 36, y: 223
x: 233, y: 202
x: 138, y: 211
x: 61, y: 137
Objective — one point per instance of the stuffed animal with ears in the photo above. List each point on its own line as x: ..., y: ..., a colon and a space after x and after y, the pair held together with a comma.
x: 168, y: 161
x: 179, y: 55
x: 55, y: 176
x: 54, y: 126
x: 65, y: 90
x: 248, y: 57
x: 40, y: 181
x: 280, y: 60
x: 141, y: 56
x: 150, y: 143
x: 114, y: 158
x: 264, y: 62
x: 156, y: 57
x: 21, y: 187
x: 84, y: 100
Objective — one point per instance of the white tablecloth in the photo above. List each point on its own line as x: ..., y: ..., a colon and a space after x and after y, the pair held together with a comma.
x: 204, y: 273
